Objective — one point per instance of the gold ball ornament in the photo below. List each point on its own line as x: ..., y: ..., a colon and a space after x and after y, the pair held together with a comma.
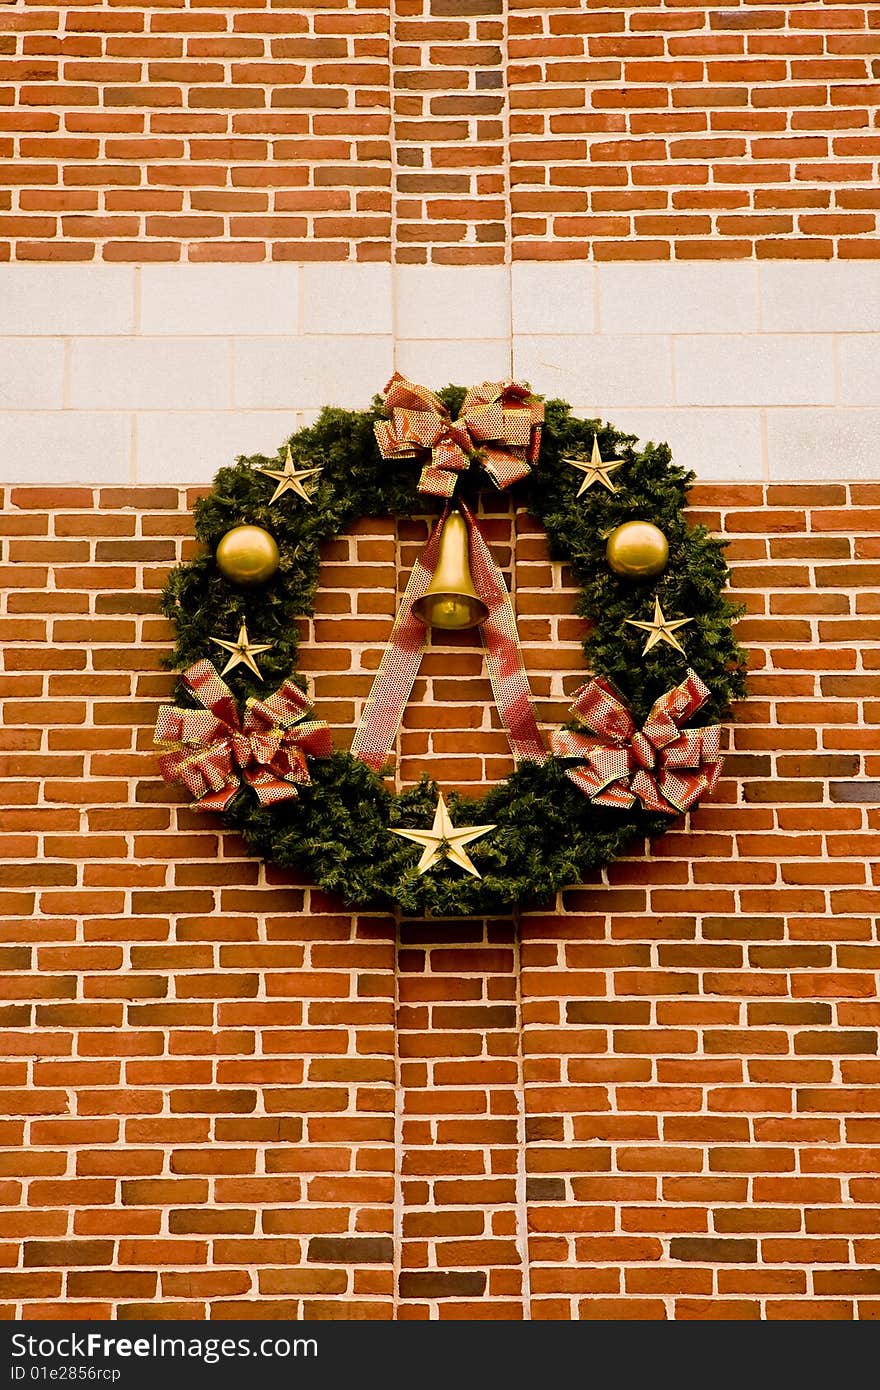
x: 247, y: 555
x: 637, y: 549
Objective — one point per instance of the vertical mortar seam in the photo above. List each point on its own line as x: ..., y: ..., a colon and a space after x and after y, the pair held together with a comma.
x: 508, y: 192
x: 522, y: 1210
x: 397, y: 1212
x: 397, y: 1209
x: 392, y: 142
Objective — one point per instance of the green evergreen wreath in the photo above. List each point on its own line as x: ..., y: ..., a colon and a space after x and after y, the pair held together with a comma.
x: 548, y: 833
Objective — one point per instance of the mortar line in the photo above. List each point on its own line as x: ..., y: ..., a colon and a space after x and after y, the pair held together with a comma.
x: 397, y: 1210
x: 133, y: 448
x: 508, y: 190
x: 392, y: 142
x: 522, y: 1209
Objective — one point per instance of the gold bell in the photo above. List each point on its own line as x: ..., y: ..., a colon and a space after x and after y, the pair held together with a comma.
x: 451, y: 601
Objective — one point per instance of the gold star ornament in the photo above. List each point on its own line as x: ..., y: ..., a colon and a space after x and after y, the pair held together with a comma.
x: 443, y: 842
x: 289, y: 479
x: 660, y: 629
x: 596, y: 471
x: 242, y: 652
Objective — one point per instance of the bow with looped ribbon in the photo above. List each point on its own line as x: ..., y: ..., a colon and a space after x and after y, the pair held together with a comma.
x: 500, y: 421
x: 665, y: 767
x: 212, y: 750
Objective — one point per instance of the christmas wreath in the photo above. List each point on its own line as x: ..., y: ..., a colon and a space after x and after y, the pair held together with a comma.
x: 243, y: 739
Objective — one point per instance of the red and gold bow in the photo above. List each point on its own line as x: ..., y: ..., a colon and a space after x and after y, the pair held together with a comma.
x: 212, y: 749
x: 500, y: 421
x: 665, y: 767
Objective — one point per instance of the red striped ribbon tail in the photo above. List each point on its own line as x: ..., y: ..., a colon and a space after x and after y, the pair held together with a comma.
x: 510, y: 684
x: 399, y: 666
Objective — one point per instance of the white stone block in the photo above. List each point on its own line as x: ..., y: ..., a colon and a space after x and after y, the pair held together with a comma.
x: 754, y: 370
x: 179, y: 446
x: 65, y: 446
x: 452, y: 301
x: 462, y: 363
x: 305, y: 373
x: 820, y: 296
x: 860, y: 368
x: 678, y: 297
x: 31, y: 374
x: 824, y: 445
x: 151, y: 373
x: 719, y: 445
x: 553, y: 297
x: 38, y: 299
x: 219, y: 299
x: 347, y: 298
x: 610, y: 371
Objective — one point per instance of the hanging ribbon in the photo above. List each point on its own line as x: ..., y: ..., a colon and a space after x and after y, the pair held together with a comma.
x: 400, y: 662
x: 504, y: 662
x: 666, y: 768
x: 212, y: 750
x: 500, y: 423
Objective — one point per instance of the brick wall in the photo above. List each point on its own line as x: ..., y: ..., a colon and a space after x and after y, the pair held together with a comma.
x: 699, y: 131
x: 227, y: 1096
x: 240, y: 133
x: 410, y: 129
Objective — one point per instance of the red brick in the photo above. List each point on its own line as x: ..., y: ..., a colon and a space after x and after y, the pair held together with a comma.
x: 655, y: 1037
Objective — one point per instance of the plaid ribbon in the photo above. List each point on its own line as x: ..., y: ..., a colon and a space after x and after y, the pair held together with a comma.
x: 402, y: 657
x: 500, y: 423
x: 212, y: 750
x: 666, y: 768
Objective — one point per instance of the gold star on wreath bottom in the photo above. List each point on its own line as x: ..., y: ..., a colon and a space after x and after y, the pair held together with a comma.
x: 443, y: 842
